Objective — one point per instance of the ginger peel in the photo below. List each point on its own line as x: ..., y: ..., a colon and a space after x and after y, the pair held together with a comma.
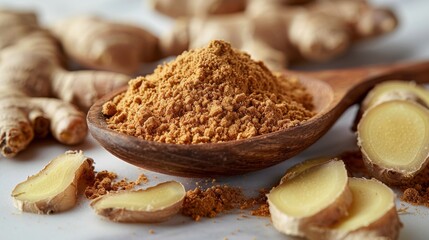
x: 392, y: 90
x: 55, y: 188
x: 372, y: 214
x: 31, y: 66
x: 97, y: 43
x: 317, y: 31
x: 186, y: 8
x: 392, y: 131
x: 154, y: 204
x: 326, y: 199
x: 393, y: 137
x: 301, y: 167
x: 192, y: 8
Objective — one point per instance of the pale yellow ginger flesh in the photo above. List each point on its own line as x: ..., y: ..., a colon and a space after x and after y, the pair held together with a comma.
x: 301, y: 167
x: 372, y: 214
x: 394, y: 139
x: 371, y: 201
x: 55, y: 188
x: 297, y: 196
x: 395, y: 89
x: 154, y: 204
x: 316, y: 197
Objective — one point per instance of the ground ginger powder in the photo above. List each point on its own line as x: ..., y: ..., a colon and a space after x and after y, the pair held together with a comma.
x: 212, y: 201
x: 212, y: 94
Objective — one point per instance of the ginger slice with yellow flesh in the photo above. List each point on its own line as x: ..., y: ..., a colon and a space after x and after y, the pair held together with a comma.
x: 394, y: 139
x: 154, y: 204
x: 372, y: 214
x: 54, y: 188
x: 317, y: 197
x: 392, y: 90
x: 301, y: 167
x: 402, y: 89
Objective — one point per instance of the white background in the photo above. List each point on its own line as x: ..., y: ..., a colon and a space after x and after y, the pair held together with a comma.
x: 410, y: 42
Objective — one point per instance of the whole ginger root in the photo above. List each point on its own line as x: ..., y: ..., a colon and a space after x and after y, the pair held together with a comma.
x: 280, y: 34
x: 189, y: 8
x: 31, y: 73
x: 97, y: 43
x: 199, y: 8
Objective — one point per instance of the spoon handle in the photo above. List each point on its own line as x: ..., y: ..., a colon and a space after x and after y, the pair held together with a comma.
x: 351, y: 84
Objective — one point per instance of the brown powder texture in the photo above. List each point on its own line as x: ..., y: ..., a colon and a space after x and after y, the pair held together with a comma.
x: 104, y: 182
x: 212, y: 201
x: 87, y: 179
x: 262, y: 211
x: 222, y: 198
x: 213, y: 94
x: 197, y: 203
x: 258, y: 205
x: 416, y: 190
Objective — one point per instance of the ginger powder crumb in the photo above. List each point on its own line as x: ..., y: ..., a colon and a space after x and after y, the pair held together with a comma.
x: 104, y: 182
x: 212, y: 94
x: 212, y: 201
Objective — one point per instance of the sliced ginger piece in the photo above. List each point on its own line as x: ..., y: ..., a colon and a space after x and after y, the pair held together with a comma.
x: 154, y: 204
x: 372, y: 214
x: 55, y: 187
x: 301, y: 167
x: 317, y: 197
x: 393, y: 90
x: 400, y: 90
x: 394, y: 139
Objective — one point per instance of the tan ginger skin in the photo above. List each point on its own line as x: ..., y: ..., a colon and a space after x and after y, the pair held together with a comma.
x: 186, y: 8
x: 317, y: 31
x: 31, y: 72
x: 198, y: 8
x: 100, y: 44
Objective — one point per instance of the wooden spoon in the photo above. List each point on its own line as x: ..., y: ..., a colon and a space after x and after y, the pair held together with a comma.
x: 333, y: 91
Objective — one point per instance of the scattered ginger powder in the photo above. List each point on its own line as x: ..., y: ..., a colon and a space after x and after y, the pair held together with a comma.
x: 212, y: 94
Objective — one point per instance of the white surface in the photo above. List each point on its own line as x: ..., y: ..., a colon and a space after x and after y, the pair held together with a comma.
x: 410, y: 42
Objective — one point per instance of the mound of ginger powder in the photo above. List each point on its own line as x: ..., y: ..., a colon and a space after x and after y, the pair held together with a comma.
x: 208, y: 95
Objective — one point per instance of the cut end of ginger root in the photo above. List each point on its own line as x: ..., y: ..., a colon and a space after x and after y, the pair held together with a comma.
x: 55, y: 187
x: 372, y: 214
x: 395, y: 89
x: 392, y: 90
x: 154, y: 204
x: 394, y: 138
x: 318, y: 196
x: 301, y: 167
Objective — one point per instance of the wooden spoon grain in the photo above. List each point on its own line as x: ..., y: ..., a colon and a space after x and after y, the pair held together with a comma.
x: 333, y: 91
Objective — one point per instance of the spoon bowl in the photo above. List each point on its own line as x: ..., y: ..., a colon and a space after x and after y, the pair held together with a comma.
x: 333, y: 92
